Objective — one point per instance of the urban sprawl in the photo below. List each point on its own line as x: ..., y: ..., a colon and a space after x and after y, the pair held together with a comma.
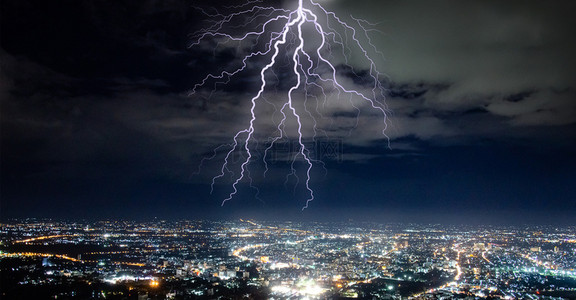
x: 248, y: 259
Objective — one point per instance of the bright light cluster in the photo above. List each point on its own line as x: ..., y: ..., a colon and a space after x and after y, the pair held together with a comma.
x: 305, y: 287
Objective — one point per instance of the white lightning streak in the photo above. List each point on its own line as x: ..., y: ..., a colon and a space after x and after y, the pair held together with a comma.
x: 305, y: 68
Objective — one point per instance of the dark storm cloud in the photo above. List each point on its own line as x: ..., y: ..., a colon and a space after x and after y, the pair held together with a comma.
x: 482, y: 53
x: 443, y: 61
x: 96, y: 107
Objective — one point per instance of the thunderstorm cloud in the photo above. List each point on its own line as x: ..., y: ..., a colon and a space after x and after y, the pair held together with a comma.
x: 99, y: 92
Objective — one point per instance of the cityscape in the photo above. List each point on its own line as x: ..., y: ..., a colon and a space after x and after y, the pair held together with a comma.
x: 287, y: 149
x: 249, y: 259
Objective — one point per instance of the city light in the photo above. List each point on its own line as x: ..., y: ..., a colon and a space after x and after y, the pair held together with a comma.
x: 295, y: 260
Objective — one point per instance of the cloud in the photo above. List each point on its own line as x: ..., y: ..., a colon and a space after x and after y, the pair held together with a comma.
x: 451, y: 67
x: 51, y: 124
x: 445, y: 59
x: 486, y: 45
x: 539, y: 108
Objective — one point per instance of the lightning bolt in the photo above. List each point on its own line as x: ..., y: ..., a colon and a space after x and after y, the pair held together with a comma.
x: 279, y: 38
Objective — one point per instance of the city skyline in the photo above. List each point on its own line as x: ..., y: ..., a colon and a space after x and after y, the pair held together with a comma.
x: 195, y: 259
x: 98, y: 122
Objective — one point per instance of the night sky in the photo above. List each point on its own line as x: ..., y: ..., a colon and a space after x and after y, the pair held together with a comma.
x: 97, y: 119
